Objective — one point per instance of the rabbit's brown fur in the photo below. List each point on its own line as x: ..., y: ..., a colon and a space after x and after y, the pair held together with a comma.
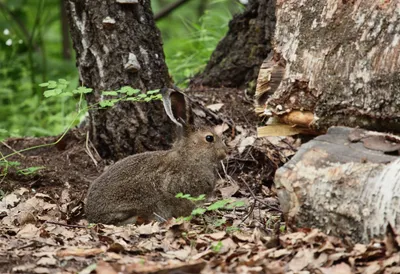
x: 144, y: 185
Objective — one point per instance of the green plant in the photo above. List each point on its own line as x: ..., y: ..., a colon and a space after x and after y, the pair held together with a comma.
x: 5, y: 165
x: 60, y: 88
x: 191, y: 36
x: 226, y: 204
x: 217, y: 247
x: 29, y: 170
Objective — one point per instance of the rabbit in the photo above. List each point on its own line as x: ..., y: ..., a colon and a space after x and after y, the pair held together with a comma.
x: 144, y: 185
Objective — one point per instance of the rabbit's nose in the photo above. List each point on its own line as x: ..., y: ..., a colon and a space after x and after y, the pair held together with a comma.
x: 223, y: 150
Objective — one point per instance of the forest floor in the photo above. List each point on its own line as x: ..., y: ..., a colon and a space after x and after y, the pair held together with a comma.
x: 43, y: 229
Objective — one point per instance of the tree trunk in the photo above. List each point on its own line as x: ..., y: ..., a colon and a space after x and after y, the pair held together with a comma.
x: 345, y: 186
x: 340, y: 61
x: 117, y: 44
x: 237, y: 58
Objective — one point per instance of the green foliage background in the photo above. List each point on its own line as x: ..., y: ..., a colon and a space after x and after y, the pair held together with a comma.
x: 31, y: 53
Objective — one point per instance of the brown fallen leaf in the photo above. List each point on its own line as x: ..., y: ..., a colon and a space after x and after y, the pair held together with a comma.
x: 391, y: 244
x: 192, y: 267
x: 216, y: 236
x: 341, y: 268
x: 279, y: 253
x: 41, y: 270
x: 243, y: 237
x: 228, y: 191
x: 202, y: 254
x: 11, y: 200
x: 228, y: 245
x: 105, y: 268
x: 149, y: 229
x: 373, y: 268
x: 215, y: 107
x: 300, y: 261
x: 23, y: 268
x: 29, y: 231
x: 80, y: 252
x: 181, y: 254
x: 47, y: 261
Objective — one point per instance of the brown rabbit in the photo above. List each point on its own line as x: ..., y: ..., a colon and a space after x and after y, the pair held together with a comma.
x: 144, y: 185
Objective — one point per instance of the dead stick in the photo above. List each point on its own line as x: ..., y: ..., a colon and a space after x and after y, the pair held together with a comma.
x: 13, y: 150
x: 67, y: 225
x: 258, y: 200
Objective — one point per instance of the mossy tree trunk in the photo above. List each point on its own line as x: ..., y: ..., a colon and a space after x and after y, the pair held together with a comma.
x: 237, y: 58
x: 118, y: 44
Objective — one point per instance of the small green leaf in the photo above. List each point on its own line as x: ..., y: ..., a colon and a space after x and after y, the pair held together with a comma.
x: 57, y: 91
x: 235, y: 204
x: 52, y: 84
x: 200, y: 198
x: 13, y: 163
x: 110, y: 93
x: 9, y: 163
x: 150, y: 92
x: 44, y: 85
x: 49, y: 93
x: 232, y: 229
x: 66, y: 94
x: 62, y: 86
x: 141, y: 96
x: 108, y: 103
x: 198, y: 211
x: 63, y: 81
x: 218, y: 204
x: 217, y: 247
x: 129, y: 90
x: 134, y: 99
x: 29, y: 170
x: 179, y: 195
x: 219, y: 222
x: 156, y: 97
x: 81, y: 90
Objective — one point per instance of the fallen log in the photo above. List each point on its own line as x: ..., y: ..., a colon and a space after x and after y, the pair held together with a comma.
x: 343, y: 183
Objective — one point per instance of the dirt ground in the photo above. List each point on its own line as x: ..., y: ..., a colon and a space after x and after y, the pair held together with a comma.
x: 43, y: 229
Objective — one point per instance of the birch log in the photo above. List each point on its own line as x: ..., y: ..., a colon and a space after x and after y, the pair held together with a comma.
x: 341, y: 61
x: 342, y: 187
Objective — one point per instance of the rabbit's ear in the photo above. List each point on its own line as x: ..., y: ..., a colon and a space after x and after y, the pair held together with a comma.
x: 177, y: 107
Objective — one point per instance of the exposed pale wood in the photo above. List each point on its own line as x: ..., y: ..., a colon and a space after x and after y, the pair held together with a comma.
x: 341, y: 62
x: 341, y: 187
x: 279, y: 130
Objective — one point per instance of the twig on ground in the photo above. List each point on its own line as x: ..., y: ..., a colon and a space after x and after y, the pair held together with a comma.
x: 226, y: 174
x: 13, y: 150
x: 67, y: 225
x: 88, y: 152
x: 258, y: 200
x: 250, y: 212
x: 161, y: 218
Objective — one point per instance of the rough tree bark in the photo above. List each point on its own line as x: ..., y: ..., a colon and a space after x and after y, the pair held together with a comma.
x: 117, y: 44
x: 237, y: 58
x: 344, y: 184
x: 341, y: 62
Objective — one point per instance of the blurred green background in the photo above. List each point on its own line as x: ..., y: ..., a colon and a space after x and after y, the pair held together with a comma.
x: 35, y: 48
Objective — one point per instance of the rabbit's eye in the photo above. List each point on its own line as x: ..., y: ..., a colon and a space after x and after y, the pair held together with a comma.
x: 210, y: 138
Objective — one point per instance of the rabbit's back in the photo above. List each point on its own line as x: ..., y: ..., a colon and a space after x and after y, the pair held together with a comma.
x: 146, y: 184
x: 128, y: 188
